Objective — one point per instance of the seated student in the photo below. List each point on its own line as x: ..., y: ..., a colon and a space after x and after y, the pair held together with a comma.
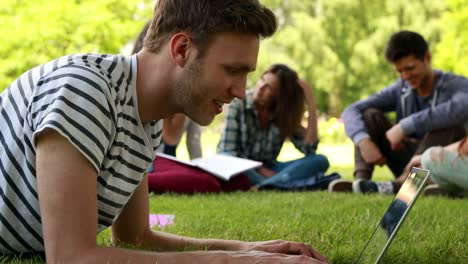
x: 175, y: 125
x: 430, y: 108
x: 257, y: 126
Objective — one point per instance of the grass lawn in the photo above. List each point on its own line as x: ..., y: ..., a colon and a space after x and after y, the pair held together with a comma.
x: 336, y: 224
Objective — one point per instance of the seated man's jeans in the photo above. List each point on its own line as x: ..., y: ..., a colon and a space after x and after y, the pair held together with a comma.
x: 378, y: 124
x: 290, y: 171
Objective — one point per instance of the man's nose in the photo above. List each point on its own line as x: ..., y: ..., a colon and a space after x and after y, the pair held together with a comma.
x: 238, y: 88
x: 238, y: 91
x: 405, y: 75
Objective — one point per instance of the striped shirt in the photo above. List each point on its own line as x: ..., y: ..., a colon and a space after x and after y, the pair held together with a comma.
x: 242, y: 136
x: 90, y: 99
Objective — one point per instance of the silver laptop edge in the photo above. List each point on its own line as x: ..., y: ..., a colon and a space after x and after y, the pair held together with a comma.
x: 414, y: 171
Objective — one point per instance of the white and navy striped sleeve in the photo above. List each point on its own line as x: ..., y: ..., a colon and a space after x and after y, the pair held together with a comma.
x: 74, y: 101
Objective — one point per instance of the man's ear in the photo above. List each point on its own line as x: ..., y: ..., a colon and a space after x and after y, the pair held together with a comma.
x: 427, y: 56
x: 181, y: 45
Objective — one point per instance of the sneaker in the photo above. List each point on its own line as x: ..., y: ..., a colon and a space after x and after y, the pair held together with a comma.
x: 340, y: 185
x: 367, y: 186
x: 437, y: 190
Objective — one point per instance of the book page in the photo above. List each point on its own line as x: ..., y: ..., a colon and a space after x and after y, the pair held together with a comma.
x: 175, y: 159
x: 225, y: 166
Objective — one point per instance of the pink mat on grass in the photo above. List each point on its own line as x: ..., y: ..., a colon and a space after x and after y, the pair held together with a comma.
x: 161, y: 220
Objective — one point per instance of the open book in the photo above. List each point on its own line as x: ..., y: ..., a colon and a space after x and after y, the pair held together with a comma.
x: 222, y: 166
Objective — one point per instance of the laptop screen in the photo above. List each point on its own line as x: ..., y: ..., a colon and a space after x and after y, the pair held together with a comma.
x: 391, y: 221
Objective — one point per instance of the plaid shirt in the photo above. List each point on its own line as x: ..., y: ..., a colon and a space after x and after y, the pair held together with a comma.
x: 242, y: 136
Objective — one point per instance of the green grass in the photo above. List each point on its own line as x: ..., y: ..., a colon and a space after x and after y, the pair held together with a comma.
x: 338, y: 225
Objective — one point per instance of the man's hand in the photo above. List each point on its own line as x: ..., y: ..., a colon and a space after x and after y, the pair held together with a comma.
x: 370, y: 152
x: 261, y: 257
x: 234, y: 257
x: 414, y: 162
x: 285, y: 247
x: 265, y: 172
x: 463, y: 149
x: 395, y: 136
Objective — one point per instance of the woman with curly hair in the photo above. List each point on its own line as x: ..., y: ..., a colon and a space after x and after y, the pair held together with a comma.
x: 258, y: 125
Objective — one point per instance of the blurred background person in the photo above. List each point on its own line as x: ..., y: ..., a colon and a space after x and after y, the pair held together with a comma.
x: 257, y: 126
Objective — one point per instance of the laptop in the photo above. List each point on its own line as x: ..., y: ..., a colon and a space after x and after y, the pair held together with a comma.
x: 393, y: 218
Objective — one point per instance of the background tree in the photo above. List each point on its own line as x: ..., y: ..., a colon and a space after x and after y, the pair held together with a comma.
x: 336, y: 45
x: 452, y: 50
x: 35, y: 32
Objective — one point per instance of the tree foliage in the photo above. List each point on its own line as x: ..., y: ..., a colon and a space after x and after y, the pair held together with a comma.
x: 336, y: 45
x: 41, y: 30
x: 452, y: 50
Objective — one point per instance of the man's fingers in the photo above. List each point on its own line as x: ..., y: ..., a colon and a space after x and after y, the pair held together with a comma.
x: 306, y: 250
x: 292, y: 248
x: 300, y: 249
x: 318, y: 256
x: 283, y: 248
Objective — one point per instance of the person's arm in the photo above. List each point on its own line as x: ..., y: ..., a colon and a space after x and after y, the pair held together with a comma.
x: 463, y: 147
x: 311, y: 134
x: 132, y: 227
x: 449, y: 113
x: 306, y: 140
x: 355, y: 128
x: 66, y: 184
x: 395, y: 136
x: 460, y: 146
x: 385, y: 101
x: 193, y: 139
x: 370, y: 152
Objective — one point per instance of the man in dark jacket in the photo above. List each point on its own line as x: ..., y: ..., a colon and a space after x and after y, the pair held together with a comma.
x: 430, y: 107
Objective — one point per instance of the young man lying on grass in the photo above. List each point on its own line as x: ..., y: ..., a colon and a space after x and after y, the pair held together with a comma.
x: 78, y: 134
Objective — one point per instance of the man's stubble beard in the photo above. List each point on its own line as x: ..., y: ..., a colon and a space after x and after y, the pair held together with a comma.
x: 188, y: 91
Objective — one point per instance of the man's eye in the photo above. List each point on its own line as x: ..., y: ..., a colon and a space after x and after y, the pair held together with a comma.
x: 232, y: 71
